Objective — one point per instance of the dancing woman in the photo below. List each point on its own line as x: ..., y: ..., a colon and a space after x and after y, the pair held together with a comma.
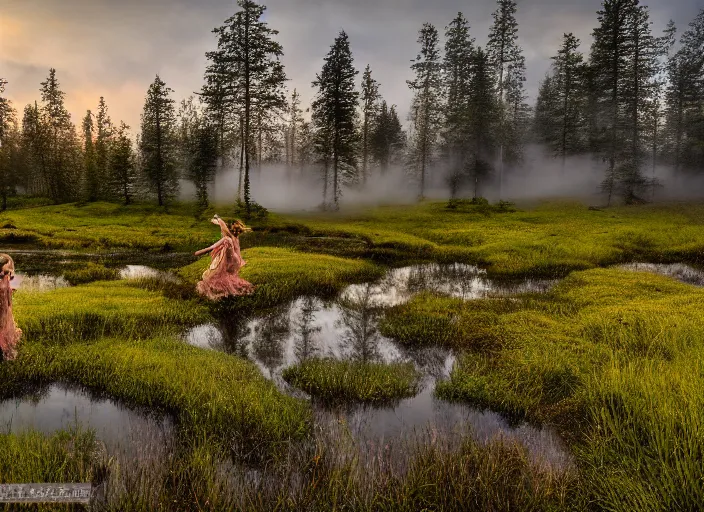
x: 9, y: 332
x: 222, y: 277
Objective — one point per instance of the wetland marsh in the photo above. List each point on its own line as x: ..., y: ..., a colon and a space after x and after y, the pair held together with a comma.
x: 410, y: 357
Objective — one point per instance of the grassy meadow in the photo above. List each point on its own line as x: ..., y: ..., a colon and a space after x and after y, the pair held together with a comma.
x: 612, y: 359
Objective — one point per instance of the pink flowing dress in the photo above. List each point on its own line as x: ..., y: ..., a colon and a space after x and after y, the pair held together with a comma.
x: 9, y: 332
x: 222, y: 277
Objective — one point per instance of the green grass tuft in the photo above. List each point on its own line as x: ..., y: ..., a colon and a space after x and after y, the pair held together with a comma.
x: 333, y: 381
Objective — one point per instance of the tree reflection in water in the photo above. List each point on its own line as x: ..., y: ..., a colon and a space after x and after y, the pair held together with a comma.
x: 269, y: 334
x: 306, y: 343
x: 235, y: 332
x: 359, y: 316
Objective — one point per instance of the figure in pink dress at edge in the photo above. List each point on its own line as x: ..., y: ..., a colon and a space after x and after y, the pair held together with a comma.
x: 222, y: 278
x: 9, y: 332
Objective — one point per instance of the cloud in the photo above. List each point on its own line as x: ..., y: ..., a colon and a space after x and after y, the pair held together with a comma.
x: 114, y: 49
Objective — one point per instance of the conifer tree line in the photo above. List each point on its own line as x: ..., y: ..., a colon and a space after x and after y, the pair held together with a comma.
x: 634, y: 102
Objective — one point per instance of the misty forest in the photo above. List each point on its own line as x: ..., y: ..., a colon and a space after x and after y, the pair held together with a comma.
x: 627, y: 109
x: 473, y: 301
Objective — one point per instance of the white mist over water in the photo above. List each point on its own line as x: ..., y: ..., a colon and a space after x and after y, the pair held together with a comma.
x: 540, y: 176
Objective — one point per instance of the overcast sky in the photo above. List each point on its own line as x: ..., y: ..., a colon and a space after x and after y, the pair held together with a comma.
x: 114, y: 48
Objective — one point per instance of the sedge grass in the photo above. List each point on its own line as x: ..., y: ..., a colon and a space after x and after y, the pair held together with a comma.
x: 222, y: 395
x: 334, y: 382
x: 111, y: 308
x: 614, y: 359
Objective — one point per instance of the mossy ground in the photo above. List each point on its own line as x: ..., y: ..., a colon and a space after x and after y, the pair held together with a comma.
x: 612, y: 358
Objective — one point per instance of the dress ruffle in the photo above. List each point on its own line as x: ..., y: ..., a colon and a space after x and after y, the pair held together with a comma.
x: 9, y: 332
x: 222, y: 278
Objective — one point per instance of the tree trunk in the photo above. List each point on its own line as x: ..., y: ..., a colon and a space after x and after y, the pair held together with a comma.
x: 247, y: 107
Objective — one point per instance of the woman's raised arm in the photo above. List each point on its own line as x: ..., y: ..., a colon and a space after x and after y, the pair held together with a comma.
x: 208, y: 249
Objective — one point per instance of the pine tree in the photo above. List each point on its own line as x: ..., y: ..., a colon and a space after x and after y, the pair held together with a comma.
x: 370, y: 108
x: 245, y: 80
x: 92, y: 180
x: 122, y: 174
x: 545, y: 130
x: 62, y: 151
x: 295, y: 124
x: 9, y: 140
x: 640, y: 80
x: 204, y: 158
x: 35, y: 140
x: 426, y: 109
x: 104, y: 136
x: 685, y: 99
x: 459, y: 48
x: 609, y: 61
x: 387, y: 138
x: 568, y: 97
x: 334, y: 113
x: 7, y: 112
x: 484, y: 120
x: 159, y: 143
x: 505, y: 54
x: 655, y: 108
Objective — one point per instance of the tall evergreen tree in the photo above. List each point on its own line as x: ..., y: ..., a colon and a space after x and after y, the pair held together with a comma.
x: 685, y: 98
x: 335, y: 113
x: 34, y: 145
x: 624, y: 60
x: 459, y: 47
x: 62, y: 151
x: 569, y: 96
x: 204, y: 157
x: 506, y: 56
x: 122, y: 173
x: 387, y: 137
x: 103, y: 139
x: 245, y: 79
x: 159, y: 143
x: 655, y: 109
x: 294, y: 131
x: 92, y: 180
x: 609, y: 61
x: 9, y: 140
x: 370, y: 108
x: 426, y: 109
x: 484, y: 120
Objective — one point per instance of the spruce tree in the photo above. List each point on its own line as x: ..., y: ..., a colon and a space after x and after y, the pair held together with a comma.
x: 294, y: 132
x: 484, y: 120
x: 244, y: 81
x: 426, y: 109
x: 103, y: 139
x: 546, y: 130
x: 609, y: 61
x: 505, y: 55
x: 122, y: 174
x: 204, y: 158
x: 159, y: 143
x: 655, y: 109
x: 387, y: 137
x: 335, y: 114
x: 370, y: 107
x: 568, y: 96
x: 92, y: 180
x: 624, y: 60
x: 456, y: 70
x: 61, y: 154
x: 685, y: 99
x: 9, y: 141
x: 35, y: 140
